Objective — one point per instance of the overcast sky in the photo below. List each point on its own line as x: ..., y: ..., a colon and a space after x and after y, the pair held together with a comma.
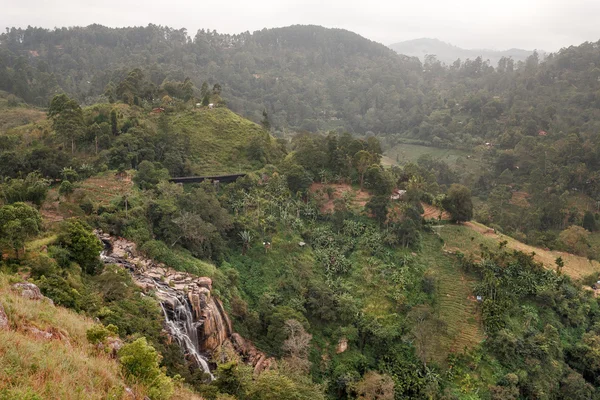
x: 494, y: 24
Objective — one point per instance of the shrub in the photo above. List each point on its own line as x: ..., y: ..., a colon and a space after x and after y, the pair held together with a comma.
x: 98, y: 333
x: 140, y: 363
x: 66, y: 188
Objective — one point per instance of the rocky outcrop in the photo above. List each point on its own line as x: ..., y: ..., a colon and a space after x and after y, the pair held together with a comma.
x: 30, y: 291
x: 47, y: 334
x: 342, y: 345
x: 110, y: 345
x: 4, y: 324
x: 193, y: 316
x: 250, y: 354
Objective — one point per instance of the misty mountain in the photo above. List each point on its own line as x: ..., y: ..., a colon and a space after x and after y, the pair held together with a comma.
x: 448, y: 53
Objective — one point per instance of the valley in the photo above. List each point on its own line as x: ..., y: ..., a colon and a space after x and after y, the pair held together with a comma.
x: 399, y: 228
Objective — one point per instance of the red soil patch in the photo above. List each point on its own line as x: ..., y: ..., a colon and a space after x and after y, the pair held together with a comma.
x: 431, y: 212
x: 359, y: 197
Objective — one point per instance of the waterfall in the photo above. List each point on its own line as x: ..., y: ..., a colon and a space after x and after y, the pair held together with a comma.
x: 180, y: 323
x: 176, y: 308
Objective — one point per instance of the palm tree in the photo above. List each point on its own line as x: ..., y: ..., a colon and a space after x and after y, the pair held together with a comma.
x: 246, y: 237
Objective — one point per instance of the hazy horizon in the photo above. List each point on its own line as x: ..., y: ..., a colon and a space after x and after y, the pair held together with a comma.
x: 538, y: 24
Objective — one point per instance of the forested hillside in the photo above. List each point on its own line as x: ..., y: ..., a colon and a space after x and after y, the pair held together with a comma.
x: 320, y: 273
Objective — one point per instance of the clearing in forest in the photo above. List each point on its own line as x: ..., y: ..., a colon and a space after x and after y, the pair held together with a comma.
x: 356, y: 197
x: 404, y: 153
x: 432, y: 212
x: 100, y: 190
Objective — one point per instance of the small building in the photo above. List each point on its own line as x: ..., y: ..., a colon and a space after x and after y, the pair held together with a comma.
x: 542, y: 133
x: 211, y: 106
x: 398, y: 194
x: 479, y: 299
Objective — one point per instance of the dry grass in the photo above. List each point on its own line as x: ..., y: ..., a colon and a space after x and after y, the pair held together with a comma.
x: 100, y: 189
x: 64, y: 367
x: 103, y: 188
x: 468, y: 237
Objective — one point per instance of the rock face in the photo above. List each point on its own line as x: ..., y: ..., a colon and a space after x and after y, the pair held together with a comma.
x: 193, y: 316
x: 28, y: 290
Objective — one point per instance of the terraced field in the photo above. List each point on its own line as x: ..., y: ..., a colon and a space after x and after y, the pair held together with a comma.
x: 455, y: 304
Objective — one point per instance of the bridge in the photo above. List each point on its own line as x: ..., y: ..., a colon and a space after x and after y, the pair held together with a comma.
x: 198, y: 179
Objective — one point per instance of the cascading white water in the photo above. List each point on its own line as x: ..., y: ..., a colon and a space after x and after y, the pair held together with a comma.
x: 180, y: 323
x: 177, y: 310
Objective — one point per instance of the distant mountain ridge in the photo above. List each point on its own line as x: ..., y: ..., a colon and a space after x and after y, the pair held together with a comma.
x: 448, y: 53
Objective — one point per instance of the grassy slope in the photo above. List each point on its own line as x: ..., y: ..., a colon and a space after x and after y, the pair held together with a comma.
x: 468, y: 238
x: 69, y: 368
x: 218, y: 138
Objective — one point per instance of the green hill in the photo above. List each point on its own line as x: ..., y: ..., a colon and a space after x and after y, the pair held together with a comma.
x: 186, y: 139
x: 219, y: 140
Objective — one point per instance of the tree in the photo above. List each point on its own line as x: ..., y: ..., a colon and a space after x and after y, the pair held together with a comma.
x: 265, y: 121
x: 298, y: 179
x: 378, y: 180
x: 113, y: 122
x: 187, y: 89
x: 246, y: 238
x: 378, y: 207
x: 458, y: 203
x: 589, y: 222
x: 149, y: 175
x: 204, y: 92
x: 18, y: 222
x: 296, y: 346
x: 272, y: 385
x: 362, y: 161
x: 33, y: 188
x: 67, y: 118
x: 575, y: 240
x: 374, y: 386
x: 66, y: 188
x: 84, y: 247
x: 559, y: 265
